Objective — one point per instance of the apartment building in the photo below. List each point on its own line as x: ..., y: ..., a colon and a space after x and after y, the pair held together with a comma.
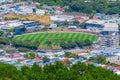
x: 109, y: 37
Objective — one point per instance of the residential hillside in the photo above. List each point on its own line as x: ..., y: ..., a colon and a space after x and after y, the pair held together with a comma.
x: 86, y: 6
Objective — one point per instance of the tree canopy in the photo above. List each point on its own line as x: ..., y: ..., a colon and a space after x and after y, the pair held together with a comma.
x: 86, y: 6
x: 1, y: 33
x: 58, y: 71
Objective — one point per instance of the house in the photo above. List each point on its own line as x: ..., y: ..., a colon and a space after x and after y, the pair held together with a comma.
x: 5, y: 1
x: 6, y: 60
x: 48, y: 9
x: 55, y: 59
x: 117, y: 72
x: 6, y: 25
x: 50, y: 53
x: 96, y: 64
x: 28, y: 62
x: 59, y: 52
x: 74, y: 61
x: 74, y: 14
x: 24, y: 10
x: 42, y: 53
x: 1, y: 17
x: 65, y: 60
x: 60, y: 18
x: 118, y: 67
x: 59, y: 10
x: 114, y: 21
x: 99, y: 15
x: 90, y: 63
x: 40, y: 12
x: 14, y: 63
x: 1, y: 51
x: 35, y: 4
x: 16, y: 55
x: 72, y: 27
x: 52, y: 26
x: 111, y: 0
x: 82, y: 19
x: 47, y: 63
x: 38, y: 59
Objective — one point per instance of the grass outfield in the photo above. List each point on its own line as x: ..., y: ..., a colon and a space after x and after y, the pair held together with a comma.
x: 56, y: 38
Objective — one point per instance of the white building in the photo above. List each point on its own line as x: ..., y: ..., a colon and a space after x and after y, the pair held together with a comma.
x: 95, y: 25
x: 2, y: 1
x: 109, y: 37
x: 40, y: 12
x: 61, y: 18
x: 10, y: 24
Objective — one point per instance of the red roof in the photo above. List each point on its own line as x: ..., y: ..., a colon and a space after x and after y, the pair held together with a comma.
x: 118, y: 67
x: 89, y: 63
x: 79, y: 18
x: 65, y: 60
x: 60, y: 9
x: 16, y: 55
x: 34, y: 4
x: 110, y: 67
x: 38, y: 59
x: 94, y: 19
x: 79, y: 52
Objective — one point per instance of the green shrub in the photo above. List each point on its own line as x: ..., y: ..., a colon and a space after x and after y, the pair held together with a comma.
x: 23, y: 49
x: 10, y: 50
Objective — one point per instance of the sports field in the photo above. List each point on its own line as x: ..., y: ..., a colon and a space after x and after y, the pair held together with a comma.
x: 56, y: 38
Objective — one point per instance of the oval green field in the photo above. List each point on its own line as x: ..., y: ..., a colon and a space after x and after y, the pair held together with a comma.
x: 56, y: 38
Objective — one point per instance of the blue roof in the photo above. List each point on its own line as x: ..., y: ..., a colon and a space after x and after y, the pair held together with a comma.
x: 55, y: 59
x: 96, y: 64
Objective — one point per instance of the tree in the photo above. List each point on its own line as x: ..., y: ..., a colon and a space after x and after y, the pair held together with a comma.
x: 87, y: 42
x: 49, y: 43
x: 75, y: 22
x: 27, y: 44
x: 119, y: 26
x: 98, y: 59
x: 70, y: 55
x: 45, y: 28
x: 45, y: 59
x: 67, y: 54
x: 21, y: 49
x: 58, y: 71
x: 1, y: 46
x: 10, y: 50
x: 36, y: 68
x: 80, y: 43
x: 1, y: 33
x: 101, y: 59
x: 103, y: 6
x: 65, y: 23
x: 27, y: 72
x: 32, y: 55
x: 11, y: 29
x: 68, y: 45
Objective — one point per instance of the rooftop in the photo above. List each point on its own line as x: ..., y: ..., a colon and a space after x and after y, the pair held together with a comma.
x: 95, y: 21
x: 110, y: 27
